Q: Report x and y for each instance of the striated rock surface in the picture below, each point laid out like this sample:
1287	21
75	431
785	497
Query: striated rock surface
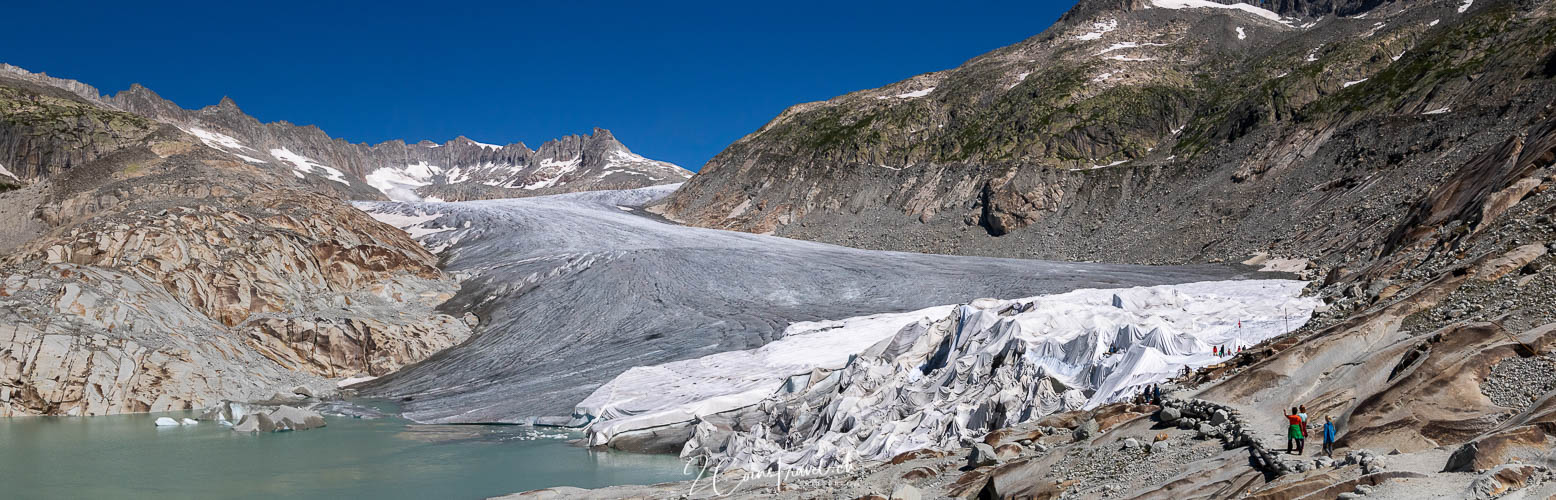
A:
146	270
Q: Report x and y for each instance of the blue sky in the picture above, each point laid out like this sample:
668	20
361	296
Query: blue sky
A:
674	81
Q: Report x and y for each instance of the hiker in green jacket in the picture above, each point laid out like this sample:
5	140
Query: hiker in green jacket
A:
1294	431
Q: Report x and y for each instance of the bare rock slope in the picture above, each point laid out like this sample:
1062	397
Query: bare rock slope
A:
1152	131
146	270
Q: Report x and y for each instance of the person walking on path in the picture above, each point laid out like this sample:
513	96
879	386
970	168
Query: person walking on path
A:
1293	431
1328	436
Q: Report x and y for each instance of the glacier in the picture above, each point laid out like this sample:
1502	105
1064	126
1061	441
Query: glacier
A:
870	388
572	291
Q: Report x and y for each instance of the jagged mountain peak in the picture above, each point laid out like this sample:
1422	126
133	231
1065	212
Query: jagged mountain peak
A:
468	170
226	104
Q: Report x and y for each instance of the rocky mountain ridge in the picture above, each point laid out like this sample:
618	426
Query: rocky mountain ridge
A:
459	169
1151	132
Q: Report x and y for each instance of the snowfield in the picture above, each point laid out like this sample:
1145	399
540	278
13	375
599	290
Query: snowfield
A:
572	291
399	184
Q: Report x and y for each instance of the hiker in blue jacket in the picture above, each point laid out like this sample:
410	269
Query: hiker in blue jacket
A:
1328	436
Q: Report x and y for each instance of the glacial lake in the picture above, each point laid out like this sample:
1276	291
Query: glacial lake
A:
126	456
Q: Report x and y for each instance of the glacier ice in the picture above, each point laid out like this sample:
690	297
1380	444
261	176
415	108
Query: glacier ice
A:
870	388
571	291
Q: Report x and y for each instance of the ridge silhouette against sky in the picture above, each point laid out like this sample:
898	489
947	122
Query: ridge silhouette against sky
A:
675	81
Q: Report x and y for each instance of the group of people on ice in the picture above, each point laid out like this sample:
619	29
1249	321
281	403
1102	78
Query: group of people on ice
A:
1297	431
1222	351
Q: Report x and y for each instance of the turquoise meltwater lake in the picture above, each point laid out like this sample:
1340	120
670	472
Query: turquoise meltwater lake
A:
126	456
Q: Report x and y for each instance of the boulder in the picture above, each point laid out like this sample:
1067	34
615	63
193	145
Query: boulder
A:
299	418
1131	443
1218	418
255	422
1502	479
1007	451
303	390
1158	447
1168	415
1087	430
1524	443
982	455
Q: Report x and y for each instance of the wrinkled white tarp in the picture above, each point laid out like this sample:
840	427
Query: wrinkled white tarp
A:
891	383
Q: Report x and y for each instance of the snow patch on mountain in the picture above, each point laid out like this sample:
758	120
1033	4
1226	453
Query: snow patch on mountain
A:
1097	166
553	170
1099	28
7	173
1207	4
1465	6
1128	45
224	143
1241	35
302	164
1373	30
399	184
1309	25
418	224
1353	82
910	95
217	140
626	162
247	158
